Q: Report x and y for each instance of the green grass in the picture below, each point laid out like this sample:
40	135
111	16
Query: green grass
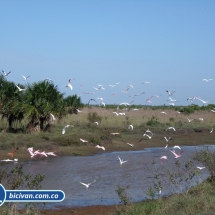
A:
193	133
199	200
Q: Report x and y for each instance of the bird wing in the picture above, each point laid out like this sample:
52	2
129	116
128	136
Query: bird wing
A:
174	153
84	184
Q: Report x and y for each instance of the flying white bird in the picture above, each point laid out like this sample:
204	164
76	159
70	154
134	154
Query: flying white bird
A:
96	123
102	103
171	128
25	77
121	161
48	79
173	104
20	88
114	133
87	185
177	147
163	112
64	129
130	144
84	141
167	139
7	160
148	131
52	116
150	137
135	109
211	130
204	102
207	80
100	147
169	93
189	120
51	153
121	114
116	113
199	167
5	73
69	84
172	100
131	127
112	85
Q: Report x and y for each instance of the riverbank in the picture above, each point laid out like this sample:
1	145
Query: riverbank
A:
187	134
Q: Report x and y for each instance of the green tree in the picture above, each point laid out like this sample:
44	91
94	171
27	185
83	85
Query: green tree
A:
41	99
10	98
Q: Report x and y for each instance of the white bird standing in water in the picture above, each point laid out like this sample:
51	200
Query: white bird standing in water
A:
87	185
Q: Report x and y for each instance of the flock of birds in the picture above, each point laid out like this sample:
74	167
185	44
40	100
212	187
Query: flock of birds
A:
149	134
101	87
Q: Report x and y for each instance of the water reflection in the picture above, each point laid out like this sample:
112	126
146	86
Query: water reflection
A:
65	173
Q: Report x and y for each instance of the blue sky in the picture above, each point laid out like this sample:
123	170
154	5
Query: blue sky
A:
168	43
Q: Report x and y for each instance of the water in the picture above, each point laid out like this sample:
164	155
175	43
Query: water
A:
66	173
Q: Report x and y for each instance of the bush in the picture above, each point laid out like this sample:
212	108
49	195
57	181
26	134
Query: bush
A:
94	117
13	179
153	121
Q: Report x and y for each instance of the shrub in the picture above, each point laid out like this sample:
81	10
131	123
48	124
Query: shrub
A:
153	121
94	117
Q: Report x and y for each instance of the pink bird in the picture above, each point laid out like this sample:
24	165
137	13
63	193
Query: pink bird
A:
163	157
149	99
100	147
30	150
177	155
41	153
51	153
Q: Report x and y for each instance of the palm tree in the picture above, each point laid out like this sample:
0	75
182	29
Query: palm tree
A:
72	103
41	99
10	98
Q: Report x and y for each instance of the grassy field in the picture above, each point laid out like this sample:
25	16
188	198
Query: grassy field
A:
82	125
187	133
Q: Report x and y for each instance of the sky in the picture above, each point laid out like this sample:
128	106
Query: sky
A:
167	43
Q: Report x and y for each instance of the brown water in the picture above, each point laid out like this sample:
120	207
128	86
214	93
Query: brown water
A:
66	173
